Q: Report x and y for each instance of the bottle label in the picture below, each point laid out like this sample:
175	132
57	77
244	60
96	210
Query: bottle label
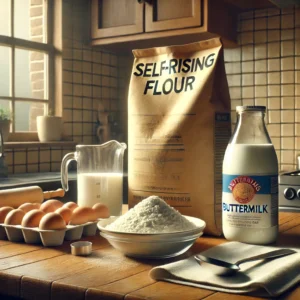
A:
250	201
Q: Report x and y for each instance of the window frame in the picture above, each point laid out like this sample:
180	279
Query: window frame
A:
53	47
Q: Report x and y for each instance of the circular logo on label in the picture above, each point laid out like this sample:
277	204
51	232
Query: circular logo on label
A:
243	192
244	188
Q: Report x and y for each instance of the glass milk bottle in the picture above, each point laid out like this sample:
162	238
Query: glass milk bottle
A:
250	181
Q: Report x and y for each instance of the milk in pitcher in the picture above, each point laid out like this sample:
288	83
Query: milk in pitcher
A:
106	188
250	181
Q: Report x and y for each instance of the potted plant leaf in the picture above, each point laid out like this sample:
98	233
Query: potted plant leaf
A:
5	121
49	127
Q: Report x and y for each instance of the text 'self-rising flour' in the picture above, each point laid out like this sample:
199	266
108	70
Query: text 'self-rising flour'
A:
179	127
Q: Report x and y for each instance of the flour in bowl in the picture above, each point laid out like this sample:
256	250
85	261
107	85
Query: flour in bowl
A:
152	215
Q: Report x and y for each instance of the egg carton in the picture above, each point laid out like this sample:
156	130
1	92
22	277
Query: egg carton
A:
18	233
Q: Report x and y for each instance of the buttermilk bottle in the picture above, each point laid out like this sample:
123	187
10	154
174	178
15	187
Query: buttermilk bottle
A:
250	181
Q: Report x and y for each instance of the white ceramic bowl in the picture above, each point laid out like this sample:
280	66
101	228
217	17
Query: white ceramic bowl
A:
152	245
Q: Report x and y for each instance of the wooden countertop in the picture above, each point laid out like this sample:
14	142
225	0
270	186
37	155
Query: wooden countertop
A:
35	272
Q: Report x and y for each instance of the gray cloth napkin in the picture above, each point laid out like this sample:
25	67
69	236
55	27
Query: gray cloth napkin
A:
268	277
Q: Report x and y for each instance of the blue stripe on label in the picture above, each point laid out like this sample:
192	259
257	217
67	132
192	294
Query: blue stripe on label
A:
261	184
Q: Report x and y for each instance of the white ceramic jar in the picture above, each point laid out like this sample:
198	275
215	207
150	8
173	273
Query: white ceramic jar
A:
49	128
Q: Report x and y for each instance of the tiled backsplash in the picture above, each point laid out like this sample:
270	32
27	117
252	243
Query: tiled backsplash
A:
90	80
90	83
265	70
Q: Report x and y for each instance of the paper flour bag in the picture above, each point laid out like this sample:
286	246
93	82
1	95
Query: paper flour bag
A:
179	127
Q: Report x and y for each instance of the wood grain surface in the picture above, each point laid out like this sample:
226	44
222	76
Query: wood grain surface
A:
36	272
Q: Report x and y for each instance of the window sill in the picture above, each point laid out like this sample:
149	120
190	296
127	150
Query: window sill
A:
22	145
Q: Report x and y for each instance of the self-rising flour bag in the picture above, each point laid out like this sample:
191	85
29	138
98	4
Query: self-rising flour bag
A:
179	127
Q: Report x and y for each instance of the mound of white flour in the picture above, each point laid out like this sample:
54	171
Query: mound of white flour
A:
152	215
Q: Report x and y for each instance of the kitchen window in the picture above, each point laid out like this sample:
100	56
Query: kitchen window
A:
26	63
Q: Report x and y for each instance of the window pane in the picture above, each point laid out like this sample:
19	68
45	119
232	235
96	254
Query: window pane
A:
26	113
29	20
5	71
31	74
5	17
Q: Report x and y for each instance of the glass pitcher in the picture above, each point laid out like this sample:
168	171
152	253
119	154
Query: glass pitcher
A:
99	174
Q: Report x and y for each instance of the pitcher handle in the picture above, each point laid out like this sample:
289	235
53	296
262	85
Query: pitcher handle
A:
64	169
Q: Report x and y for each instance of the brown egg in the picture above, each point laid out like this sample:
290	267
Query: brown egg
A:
33	218
65	212
70	205
26	207
82	215
51	205
101	210
52	221
14	217
3	212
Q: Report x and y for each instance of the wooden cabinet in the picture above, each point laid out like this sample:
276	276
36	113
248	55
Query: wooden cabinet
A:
116	17
126	24
166	15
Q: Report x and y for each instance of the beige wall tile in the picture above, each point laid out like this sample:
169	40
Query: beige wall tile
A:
287	77
246	38
248	102
287	130
274	116
273	35
274	22
56	155
247	25
287	48
276	142
9	157
260	78
288	90
274	90
260	23
287	21
32	157
274	50
273	64
87	79
44	156
273	78
288	116
77	115
248	92
261	101
297	143
45	167
261	91
297	102
247	52
287	34
260	51
274	130
77	128
287	157
20	157
260	65
297	90
32	168
19	169
287	63
247	79
260	36
288	102
287	143
274	103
